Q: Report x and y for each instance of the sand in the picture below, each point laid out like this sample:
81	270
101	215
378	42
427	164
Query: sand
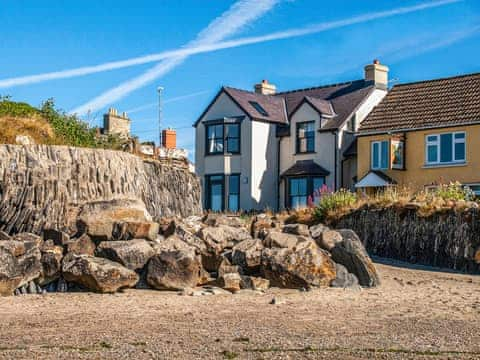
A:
414	314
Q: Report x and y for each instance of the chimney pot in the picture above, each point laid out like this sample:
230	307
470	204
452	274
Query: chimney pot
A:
378	74
265	88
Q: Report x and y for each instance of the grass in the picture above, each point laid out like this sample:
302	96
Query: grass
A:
50	126
229	354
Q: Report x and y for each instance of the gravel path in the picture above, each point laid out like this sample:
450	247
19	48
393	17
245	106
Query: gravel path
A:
414	314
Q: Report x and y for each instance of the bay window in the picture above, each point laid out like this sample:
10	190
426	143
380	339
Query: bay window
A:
447	148
301	188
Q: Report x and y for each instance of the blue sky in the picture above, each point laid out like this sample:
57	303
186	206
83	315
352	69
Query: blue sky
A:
39	38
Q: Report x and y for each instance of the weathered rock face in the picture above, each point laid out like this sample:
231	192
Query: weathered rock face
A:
45	187
248	255
448	239
97	274
305	266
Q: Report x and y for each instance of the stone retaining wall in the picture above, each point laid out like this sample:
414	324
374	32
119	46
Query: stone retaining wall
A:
45	186
447	239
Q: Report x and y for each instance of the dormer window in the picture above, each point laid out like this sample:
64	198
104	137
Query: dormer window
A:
306	137
259	108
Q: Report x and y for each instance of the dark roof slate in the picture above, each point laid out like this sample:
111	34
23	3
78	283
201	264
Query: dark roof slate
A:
306	167
336	101
427	104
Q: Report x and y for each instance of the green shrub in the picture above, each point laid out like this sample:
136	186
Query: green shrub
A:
453	191
334	202
16	109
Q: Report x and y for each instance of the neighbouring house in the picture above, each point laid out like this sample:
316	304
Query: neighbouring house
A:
423	134
267	149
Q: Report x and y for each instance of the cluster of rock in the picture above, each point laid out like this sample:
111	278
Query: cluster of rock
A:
119	248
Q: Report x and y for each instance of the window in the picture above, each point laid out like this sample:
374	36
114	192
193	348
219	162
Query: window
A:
223	138
398	147
380	155
234	192
298	193
232	137
214	192
445	148
259	108
306	137
300	189
474	188
215	139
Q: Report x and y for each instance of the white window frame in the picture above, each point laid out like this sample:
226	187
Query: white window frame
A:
379	142
437	143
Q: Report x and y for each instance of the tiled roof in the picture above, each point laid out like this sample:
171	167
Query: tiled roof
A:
426	104
344	97
336	101
306	167
274	106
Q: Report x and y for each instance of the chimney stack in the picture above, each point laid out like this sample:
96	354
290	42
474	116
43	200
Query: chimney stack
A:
265	88
169	138
377	73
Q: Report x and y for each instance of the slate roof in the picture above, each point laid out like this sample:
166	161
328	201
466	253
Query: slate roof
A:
306	167
427	104
337	102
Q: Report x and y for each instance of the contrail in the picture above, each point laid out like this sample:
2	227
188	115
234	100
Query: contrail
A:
240	14
167	101
109	66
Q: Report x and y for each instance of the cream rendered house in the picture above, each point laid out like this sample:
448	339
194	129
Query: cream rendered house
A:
263	149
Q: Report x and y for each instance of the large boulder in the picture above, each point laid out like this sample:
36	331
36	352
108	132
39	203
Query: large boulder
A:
248	255
81	246
282	240
127	230
20	262
59	238
347	249
52	256
230	282
344	279
302	267
97	274
218	239
316	231
213	219
133	254
97	219
173	270
296	229
263	224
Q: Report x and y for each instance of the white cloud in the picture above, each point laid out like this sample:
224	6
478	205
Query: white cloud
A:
241	14
191	50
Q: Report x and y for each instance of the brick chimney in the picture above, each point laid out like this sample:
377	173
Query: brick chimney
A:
265	88
169	138
377	73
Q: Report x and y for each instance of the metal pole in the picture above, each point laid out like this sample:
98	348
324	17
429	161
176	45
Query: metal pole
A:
160	89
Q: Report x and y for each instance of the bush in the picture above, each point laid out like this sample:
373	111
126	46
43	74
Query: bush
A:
454	191
331	203
16	109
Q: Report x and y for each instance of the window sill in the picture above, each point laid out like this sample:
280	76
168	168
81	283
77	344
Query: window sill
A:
223	154
443	165
305	153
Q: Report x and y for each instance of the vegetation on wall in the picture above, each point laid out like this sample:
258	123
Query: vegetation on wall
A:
49	125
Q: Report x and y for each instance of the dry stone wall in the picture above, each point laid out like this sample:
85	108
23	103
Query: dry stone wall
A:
448	239
46	186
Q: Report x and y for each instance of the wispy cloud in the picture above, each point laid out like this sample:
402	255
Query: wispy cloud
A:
240	15
197	49
167	101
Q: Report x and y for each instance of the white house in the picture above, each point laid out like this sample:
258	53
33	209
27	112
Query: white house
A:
262	149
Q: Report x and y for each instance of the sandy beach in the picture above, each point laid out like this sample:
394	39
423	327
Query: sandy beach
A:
414	314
